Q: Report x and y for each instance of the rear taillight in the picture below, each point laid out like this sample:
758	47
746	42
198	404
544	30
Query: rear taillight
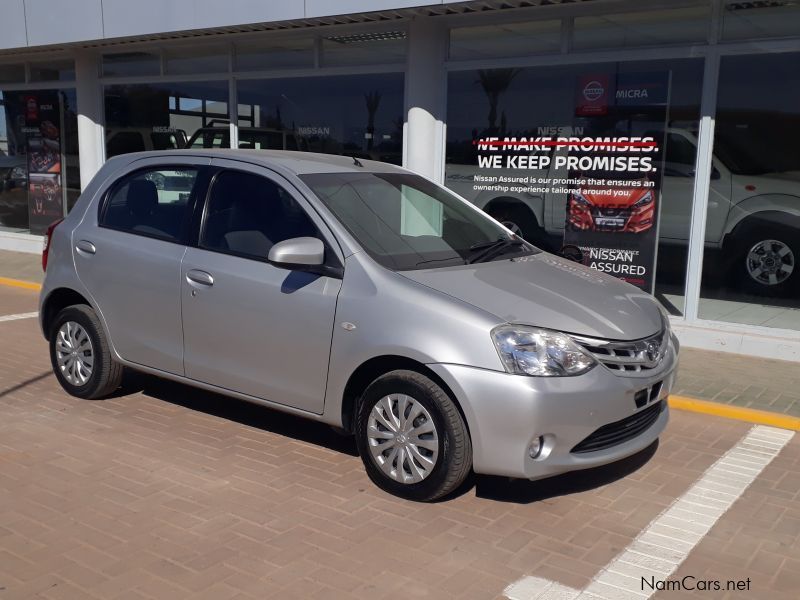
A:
46	245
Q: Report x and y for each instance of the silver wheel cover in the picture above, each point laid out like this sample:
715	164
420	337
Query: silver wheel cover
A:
402	438
74	353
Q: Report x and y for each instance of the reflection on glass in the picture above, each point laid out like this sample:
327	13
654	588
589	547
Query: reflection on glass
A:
131	64
12	73
743	20
161	116
369	48
54	70
39	167
356	115
562	101
650	28
751	273
186	61
277	54
509	39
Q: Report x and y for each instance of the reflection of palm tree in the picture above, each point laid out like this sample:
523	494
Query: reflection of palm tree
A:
372	100
494	82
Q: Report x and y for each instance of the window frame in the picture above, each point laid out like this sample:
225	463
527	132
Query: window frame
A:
331	267
200	183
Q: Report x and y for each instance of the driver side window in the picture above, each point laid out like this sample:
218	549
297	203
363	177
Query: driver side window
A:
248	214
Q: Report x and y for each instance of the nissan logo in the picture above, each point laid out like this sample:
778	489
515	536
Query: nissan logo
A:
593	90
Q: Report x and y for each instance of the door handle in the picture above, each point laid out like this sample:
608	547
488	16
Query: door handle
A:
200	277
85	247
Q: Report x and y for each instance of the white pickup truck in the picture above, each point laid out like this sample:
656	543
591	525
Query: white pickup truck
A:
753	219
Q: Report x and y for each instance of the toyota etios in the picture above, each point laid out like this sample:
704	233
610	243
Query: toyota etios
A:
358	294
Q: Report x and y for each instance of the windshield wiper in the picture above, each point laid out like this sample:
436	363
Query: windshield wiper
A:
486	250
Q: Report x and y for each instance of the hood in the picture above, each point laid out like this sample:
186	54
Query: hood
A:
548	291
616	197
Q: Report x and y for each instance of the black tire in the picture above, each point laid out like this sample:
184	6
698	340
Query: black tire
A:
106	374
454	461
742	266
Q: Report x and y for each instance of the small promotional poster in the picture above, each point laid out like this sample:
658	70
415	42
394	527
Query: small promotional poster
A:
602	172
42	115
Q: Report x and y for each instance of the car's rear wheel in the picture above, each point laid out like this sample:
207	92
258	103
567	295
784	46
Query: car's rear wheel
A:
81	356
411	437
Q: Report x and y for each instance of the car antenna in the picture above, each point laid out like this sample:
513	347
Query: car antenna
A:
357	162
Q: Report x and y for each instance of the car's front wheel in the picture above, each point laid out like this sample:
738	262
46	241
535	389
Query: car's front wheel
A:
81	356
412	437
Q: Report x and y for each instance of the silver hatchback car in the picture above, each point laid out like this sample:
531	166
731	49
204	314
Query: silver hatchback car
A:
361	295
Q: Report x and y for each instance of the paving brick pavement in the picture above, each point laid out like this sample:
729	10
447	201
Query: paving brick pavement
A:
765	384
21	265
164	491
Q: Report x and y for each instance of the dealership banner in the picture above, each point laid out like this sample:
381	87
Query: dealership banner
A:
615	171
602	171
42	118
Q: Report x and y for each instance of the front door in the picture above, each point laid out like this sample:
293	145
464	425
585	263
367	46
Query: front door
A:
250	326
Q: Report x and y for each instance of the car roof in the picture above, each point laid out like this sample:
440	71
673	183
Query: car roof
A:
295	162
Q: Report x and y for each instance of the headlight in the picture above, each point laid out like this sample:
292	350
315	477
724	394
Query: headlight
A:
578	197
539	352
644	200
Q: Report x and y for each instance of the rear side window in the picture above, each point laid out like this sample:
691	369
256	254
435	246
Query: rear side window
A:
152	202
247	214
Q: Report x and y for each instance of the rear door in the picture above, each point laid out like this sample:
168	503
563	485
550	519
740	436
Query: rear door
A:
250	326
128	256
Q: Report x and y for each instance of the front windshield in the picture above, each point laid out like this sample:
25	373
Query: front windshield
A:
405	222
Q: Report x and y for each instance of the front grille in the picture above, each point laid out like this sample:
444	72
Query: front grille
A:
611	212
627	357
620	431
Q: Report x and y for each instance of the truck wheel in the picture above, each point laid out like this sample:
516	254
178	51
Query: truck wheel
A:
412	438
80	354
767	261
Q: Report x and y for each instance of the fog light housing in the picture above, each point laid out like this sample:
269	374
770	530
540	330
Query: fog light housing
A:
535	449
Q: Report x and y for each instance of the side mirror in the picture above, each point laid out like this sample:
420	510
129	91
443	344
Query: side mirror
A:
298	252
572	253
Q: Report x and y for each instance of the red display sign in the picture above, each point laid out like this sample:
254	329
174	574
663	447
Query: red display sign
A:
592	95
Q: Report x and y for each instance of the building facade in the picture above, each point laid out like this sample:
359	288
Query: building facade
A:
486	97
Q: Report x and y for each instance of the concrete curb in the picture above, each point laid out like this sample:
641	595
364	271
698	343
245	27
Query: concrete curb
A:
18	283
750	415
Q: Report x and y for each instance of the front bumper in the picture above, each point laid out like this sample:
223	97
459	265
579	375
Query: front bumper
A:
507	413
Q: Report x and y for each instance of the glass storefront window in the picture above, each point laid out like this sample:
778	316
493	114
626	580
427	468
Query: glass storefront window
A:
291	53
751	273
131	64
745	20
356	115
160	116
509	39
647	28
12	73
368	48
39	167
53	70
509	151
188	61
